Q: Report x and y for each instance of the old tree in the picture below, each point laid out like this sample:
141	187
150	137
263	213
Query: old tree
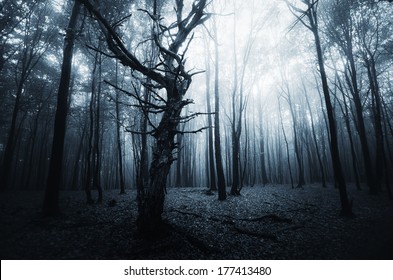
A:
170	74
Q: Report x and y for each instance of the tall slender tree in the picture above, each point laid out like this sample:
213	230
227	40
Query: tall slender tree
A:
51	199
210	158
119	141
340	28
28	57
221	184
308	16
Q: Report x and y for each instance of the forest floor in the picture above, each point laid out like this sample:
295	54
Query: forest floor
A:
271	222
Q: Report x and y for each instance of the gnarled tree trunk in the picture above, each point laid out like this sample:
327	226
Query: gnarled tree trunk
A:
152	202
170	75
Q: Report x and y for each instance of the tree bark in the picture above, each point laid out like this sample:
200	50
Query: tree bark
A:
51	199
297	146
378	130
119	147
265	179
152	203
98	136
212	170
346	207
286	147
142	176
11	140
345	112
323	177
221	185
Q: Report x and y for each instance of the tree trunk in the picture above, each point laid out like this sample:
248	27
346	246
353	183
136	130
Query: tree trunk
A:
119	146
378	130
298	149
51	199
346	207
217	138
98	136
345	112
179	160
33	137
235	163
286	146
323	178
91	154
212	170
152	202
142	176
265	179
11	140
176	81
389	152
360	121
76	178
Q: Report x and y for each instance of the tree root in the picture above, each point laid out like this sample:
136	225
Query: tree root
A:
264	235
273	217
232	221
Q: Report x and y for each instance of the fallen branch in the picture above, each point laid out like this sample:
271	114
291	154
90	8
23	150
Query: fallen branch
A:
289	228
229	219
232	221
187	213
274	217
264	235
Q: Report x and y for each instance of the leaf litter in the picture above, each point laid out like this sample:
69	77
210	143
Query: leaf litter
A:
264	222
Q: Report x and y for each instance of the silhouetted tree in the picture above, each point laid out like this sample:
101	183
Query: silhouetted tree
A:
51	199
221	185
308	16
171	75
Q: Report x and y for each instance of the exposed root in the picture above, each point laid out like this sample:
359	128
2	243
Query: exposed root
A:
264	235
228	220
273	217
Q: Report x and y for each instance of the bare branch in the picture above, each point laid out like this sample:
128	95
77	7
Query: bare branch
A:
300	18
197	72
153	17
139	132
193	131
100	51
116	45
141	101
119	22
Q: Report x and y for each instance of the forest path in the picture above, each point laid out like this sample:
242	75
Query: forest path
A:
271	222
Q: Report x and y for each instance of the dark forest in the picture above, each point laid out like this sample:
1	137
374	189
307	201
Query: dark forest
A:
196	129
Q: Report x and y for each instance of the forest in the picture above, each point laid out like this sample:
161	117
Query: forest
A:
196	129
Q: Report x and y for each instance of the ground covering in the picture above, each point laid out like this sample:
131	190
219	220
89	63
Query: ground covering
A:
265	222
